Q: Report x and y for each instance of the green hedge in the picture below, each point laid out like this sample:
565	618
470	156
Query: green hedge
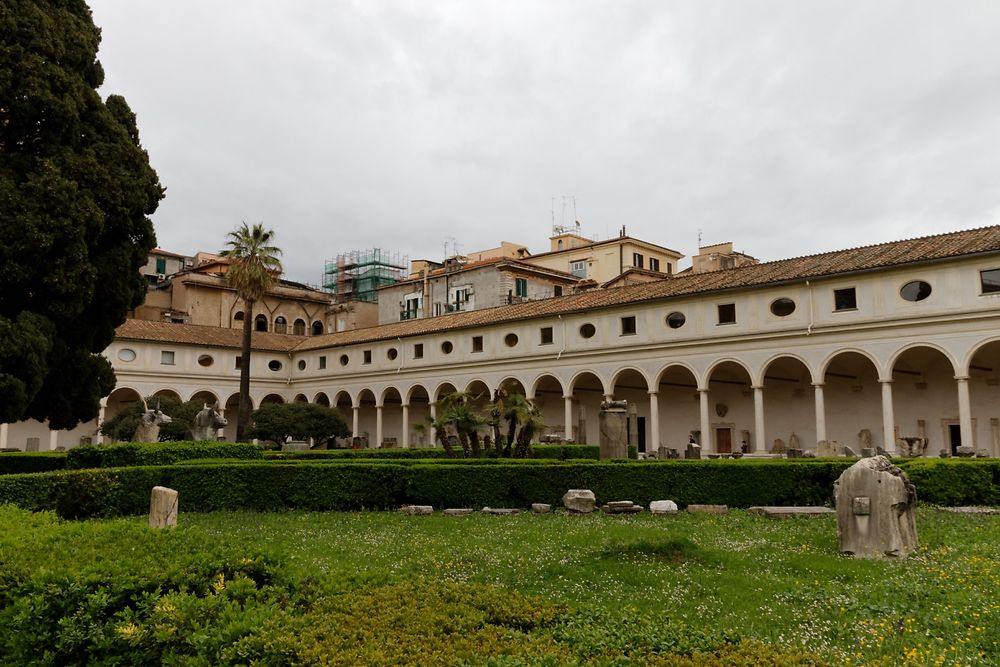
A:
14	463
568	452
558	452
270	486
157	453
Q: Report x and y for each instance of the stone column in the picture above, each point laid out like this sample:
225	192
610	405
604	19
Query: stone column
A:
355	409
432	432
3	435
964	410
568	417
220	433
760	437
99	438
654	422
405	440
53	440
995	435
378	426
888	420
820	413
706	437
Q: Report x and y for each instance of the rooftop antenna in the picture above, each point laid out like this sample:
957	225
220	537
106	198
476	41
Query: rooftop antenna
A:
699	239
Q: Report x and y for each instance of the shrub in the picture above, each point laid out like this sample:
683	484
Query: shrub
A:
153	453
13	463
123	425
298	421
955	481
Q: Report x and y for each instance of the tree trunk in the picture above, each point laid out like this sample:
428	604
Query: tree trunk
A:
474	441
243	418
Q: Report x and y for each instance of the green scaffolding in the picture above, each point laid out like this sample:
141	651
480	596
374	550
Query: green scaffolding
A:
358	275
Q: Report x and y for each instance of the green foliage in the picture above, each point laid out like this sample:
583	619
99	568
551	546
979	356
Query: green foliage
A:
151	453
298	421
77	190
955	481
13	463
357	454
122	426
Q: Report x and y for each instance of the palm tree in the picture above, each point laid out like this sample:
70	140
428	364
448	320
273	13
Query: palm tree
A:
254	268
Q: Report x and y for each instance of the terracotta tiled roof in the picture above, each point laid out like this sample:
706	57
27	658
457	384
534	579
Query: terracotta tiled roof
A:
867	258
658	275
195	334
515	263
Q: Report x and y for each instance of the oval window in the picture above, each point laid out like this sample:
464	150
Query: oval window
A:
782	307
676	320
510	340
343	360
447	347
126	354
915	290
205	360
302	364
587	330
392	353
274	365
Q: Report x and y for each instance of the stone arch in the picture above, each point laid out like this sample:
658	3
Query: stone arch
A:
260	322
548	394
925	398
299	327
442	389
724	362
626	371
852	398
367	403
300	398
166	392
584	375
632	385
478	387
825	364
673	368
982	367
976	349
391	400
342	399
813	376
321	399
544	382
231	411
280	324
678	404
587	390
119	399
272	399
418	399
317	328
789	401
730	407
206	396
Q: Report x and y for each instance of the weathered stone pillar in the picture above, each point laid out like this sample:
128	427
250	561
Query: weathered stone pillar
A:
875	510
614	438
162	508
405	439
654	422
568	417
3	435
355	409
995	435
706	437
633	424
432	432
964	410
888	420
760	441
378	426
820	413
53	440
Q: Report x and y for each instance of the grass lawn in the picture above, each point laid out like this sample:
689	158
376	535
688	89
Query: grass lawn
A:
383	588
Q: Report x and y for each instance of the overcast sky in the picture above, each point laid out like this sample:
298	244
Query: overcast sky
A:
786	127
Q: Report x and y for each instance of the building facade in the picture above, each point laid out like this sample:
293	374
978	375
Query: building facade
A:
857	346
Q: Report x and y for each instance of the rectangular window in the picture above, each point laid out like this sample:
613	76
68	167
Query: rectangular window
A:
557	290
437	310
161	264
578	269
727	313
654	264
637	260
845	299
167	357
521	287
990	280
322	362
546	335
367	356
628	325
670	268
418	350
477	343
239	362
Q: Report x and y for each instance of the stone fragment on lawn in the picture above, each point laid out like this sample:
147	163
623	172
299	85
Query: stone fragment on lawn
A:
970	510
295	446
663	507
417	510
457	511
708	509
965	451
875	510
501	511
776	512
581	501
621	507
162	508
541	508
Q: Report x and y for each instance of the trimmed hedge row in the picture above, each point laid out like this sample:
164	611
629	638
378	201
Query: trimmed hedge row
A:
157	453
15	463
357	485
557	452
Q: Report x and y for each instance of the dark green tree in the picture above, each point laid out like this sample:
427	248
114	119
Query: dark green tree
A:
255	266
298	421
122	426
76	193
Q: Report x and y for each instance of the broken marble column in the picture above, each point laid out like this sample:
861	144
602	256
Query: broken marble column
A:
875	510
580	501
614	433
162	508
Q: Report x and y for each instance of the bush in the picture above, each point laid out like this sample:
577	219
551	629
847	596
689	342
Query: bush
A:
13	463
345	454
297	421
954	482
156	453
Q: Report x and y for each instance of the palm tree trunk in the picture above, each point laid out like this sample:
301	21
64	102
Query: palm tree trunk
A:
244	415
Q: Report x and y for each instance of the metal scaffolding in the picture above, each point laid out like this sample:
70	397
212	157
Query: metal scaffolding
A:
358	275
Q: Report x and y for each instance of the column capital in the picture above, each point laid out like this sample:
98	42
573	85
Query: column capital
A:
881	381
404	405
378	406
567	398
703	390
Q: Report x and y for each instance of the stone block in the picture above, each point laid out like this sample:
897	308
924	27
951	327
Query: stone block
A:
613	420
581	501
417	510
457	511
847	451
708	509
965	451
663	507
629	509
982	453
294	446
875	510
540	508
693	451
790	512
501	511
163	507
